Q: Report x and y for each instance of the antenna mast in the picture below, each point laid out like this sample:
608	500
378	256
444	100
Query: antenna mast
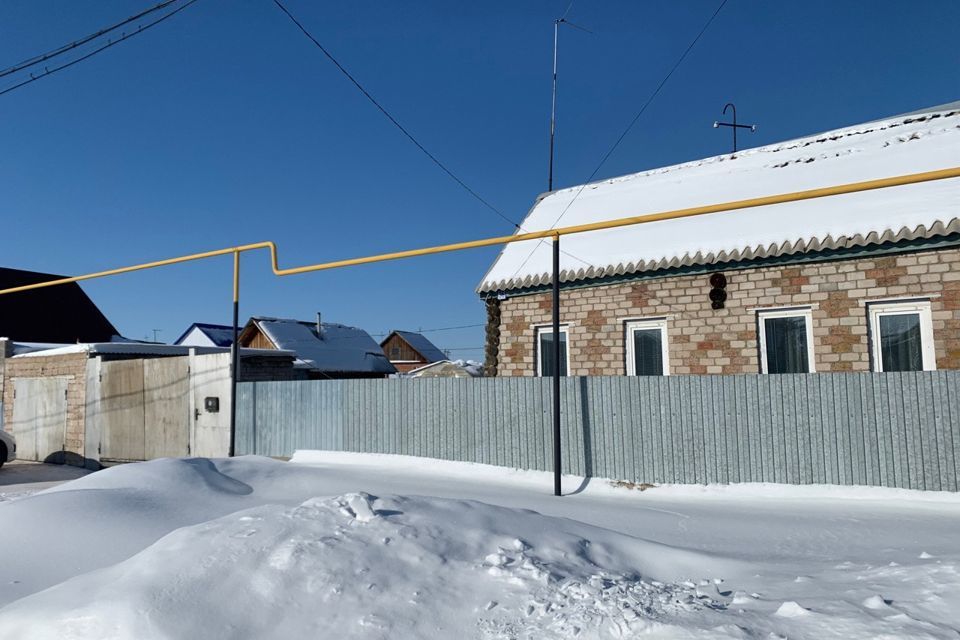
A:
553	99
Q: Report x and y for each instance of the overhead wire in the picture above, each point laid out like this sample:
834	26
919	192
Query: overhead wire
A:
396	123
53	53
464	326
623	135
122	38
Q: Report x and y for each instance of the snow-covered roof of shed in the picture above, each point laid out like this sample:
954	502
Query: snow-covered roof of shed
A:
924	141
341	349
219	334
132	348
422	345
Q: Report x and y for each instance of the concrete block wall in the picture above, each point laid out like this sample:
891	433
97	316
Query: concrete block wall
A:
703	340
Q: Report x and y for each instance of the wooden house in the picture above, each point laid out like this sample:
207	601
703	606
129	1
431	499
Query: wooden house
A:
408	350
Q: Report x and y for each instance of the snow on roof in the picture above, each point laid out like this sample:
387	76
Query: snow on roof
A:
28	350
468	368
219	334
422	345
924	141
341	349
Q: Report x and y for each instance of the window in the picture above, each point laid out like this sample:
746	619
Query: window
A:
545	363
901	334
786	341
394	353
646	342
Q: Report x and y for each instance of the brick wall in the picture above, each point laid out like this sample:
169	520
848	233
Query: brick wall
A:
72	366
703	340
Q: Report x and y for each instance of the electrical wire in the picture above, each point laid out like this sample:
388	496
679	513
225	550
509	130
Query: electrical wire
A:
109	44
390	117
623	135
53	53
401	128
464	326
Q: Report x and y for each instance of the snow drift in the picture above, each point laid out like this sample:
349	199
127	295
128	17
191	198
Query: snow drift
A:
355	566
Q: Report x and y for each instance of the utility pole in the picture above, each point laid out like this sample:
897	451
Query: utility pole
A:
733	125
156	332
553	99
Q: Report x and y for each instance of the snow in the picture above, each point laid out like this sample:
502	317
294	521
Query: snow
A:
339	349
335	545
878	150
139	348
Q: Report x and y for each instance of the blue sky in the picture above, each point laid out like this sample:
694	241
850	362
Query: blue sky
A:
224	125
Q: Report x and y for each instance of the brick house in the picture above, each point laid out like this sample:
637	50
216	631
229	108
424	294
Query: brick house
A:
860	282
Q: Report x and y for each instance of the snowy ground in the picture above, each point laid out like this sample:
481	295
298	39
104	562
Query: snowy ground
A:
359	546
19	478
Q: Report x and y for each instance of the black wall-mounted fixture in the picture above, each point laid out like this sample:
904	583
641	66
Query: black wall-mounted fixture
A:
718	290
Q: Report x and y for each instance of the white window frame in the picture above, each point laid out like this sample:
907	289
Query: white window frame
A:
548	328
646	324
791	312
911	307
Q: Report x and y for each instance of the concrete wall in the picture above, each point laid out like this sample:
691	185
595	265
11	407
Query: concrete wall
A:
705	340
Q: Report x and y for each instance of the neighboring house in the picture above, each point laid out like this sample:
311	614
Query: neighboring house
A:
408	350
447	369
858	282
327	350
61	314
200	334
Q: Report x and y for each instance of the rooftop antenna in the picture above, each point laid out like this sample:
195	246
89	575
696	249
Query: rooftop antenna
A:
553	101
733	125
156	332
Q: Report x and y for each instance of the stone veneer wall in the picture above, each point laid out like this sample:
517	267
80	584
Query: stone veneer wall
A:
707	341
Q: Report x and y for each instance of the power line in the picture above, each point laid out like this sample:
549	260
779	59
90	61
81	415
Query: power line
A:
627	130
403	129
53	53
109	44
464	326
390	117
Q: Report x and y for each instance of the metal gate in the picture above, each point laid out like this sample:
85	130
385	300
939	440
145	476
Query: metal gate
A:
144	409
40	418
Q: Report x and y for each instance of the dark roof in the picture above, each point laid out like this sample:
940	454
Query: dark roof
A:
420	344
61	314
341	349
220	334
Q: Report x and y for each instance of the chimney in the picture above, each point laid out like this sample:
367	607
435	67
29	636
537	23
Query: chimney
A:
319	326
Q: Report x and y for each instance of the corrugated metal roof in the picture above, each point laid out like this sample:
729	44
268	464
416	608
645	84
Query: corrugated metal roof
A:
341	349
221	335
924	141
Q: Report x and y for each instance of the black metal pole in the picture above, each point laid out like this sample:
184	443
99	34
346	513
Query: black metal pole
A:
234	354
556	366
553	103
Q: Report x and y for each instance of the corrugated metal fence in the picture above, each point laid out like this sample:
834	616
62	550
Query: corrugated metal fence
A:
884	429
